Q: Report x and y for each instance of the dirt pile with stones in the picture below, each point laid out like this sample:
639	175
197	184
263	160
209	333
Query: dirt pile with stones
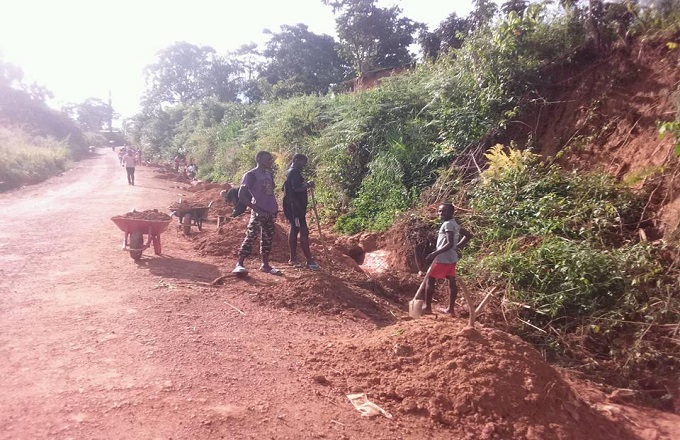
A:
340	287
480	383
203	194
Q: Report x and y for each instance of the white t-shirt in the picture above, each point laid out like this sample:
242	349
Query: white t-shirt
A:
129	160
450	256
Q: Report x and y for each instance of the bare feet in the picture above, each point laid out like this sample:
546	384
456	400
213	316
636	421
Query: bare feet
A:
427	310
448	311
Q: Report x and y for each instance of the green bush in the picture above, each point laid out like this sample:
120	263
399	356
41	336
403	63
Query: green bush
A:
28	159
564	278
381	197
529	197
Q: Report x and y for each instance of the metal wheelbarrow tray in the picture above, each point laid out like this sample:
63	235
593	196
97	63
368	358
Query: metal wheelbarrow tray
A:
190	214
135	229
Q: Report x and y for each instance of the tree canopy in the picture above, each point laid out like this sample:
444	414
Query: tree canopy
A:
93	114
302	62
185	73
372	37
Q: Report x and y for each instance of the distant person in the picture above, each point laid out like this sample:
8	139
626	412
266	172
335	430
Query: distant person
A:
451	237
121	153
179	162
113	146
129	161
230	196
192	169
257	192
295	209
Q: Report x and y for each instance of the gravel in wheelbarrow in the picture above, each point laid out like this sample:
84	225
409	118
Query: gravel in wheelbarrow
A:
150	214
144	222
186	205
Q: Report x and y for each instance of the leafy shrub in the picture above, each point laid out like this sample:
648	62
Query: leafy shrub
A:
381	197
28	159
563	278
522	196
565	246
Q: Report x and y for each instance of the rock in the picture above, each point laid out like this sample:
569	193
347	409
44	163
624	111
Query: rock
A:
320	379
434	355
403	350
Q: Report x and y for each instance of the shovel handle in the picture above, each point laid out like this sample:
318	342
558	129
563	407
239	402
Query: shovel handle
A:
318	223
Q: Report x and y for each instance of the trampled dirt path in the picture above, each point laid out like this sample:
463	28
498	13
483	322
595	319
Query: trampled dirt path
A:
96	346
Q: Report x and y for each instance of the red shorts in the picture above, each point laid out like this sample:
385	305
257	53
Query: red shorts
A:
442	270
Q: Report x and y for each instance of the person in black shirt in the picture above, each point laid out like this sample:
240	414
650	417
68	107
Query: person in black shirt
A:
295	209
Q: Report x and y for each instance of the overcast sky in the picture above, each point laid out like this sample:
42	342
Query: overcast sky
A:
83	48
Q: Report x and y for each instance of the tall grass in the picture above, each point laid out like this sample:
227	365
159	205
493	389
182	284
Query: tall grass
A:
26	159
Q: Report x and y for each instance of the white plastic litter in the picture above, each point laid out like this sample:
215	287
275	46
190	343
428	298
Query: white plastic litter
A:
366	407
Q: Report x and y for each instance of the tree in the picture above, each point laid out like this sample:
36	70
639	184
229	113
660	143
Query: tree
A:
483	14
302	62
453	31
223	79
186	73
430	44
450	34
93	114
518	6
372	37
250	62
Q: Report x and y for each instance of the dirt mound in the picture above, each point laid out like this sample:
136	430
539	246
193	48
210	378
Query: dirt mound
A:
481	383
204	186
227	240
151	214
204	193
340	287
411	238
167	172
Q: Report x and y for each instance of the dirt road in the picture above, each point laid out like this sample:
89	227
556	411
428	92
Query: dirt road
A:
96	346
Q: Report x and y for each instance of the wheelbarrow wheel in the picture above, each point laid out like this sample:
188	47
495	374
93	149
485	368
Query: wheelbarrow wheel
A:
199	223
136	243
186	224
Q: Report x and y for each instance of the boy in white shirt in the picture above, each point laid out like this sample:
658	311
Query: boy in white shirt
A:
451	237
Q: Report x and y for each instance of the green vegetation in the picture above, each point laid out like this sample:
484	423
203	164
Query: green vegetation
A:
36	142
25	160
565	246
386	143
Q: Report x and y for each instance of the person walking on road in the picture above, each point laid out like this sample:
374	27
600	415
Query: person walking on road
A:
451	237
257	192
129	161
295	209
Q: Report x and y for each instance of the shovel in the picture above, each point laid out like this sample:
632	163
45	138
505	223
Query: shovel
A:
415	306
318	224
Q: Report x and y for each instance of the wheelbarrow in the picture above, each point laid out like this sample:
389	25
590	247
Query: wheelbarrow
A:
189	215
134	234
